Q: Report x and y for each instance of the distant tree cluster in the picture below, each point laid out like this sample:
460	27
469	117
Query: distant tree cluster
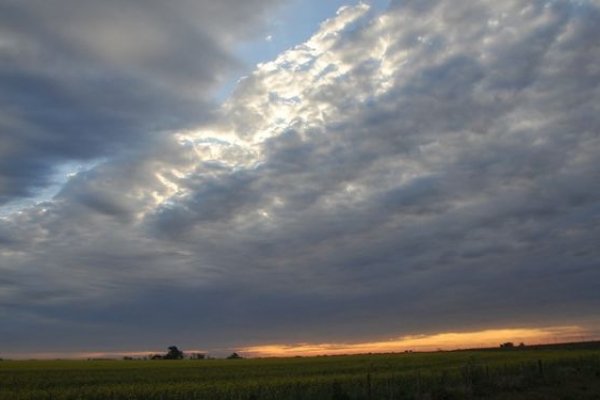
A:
511	345
234	356
175	353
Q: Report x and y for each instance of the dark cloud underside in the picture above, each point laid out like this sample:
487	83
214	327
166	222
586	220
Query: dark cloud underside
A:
430	169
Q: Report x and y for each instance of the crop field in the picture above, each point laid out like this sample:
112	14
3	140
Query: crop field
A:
555	373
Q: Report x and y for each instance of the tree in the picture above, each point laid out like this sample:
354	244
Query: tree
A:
174	354
234	356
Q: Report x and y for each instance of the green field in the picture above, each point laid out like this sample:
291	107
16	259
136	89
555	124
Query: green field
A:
547	373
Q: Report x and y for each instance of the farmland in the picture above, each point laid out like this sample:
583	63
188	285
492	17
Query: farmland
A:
538	373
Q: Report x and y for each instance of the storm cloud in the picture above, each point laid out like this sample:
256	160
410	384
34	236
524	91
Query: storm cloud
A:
429	169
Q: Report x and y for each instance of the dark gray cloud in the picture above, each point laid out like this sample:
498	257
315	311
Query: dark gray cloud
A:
82	80
433	169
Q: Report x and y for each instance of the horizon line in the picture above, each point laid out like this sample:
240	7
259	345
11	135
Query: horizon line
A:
447	341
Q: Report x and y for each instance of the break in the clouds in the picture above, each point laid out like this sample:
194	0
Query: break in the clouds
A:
429	169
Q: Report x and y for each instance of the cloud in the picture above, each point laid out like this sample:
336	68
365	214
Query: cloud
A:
84	80
430	169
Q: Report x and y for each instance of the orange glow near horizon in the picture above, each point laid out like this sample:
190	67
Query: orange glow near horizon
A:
440	341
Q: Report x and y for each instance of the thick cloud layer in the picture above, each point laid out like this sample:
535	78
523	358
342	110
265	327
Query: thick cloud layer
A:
430	169
82	80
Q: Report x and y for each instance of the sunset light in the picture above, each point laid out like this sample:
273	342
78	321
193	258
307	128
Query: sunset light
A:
440	341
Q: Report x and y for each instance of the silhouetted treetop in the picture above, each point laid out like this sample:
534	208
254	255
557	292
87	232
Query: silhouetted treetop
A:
174	354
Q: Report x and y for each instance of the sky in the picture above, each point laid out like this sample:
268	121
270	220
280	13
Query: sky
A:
297	177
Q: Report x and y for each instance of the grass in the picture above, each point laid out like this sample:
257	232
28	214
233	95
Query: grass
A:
543	373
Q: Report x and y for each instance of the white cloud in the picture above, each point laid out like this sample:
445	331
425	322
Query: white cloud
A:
92	80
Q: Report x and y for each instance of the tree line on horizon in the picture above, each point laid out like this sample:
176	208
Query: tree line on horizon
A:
174	353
